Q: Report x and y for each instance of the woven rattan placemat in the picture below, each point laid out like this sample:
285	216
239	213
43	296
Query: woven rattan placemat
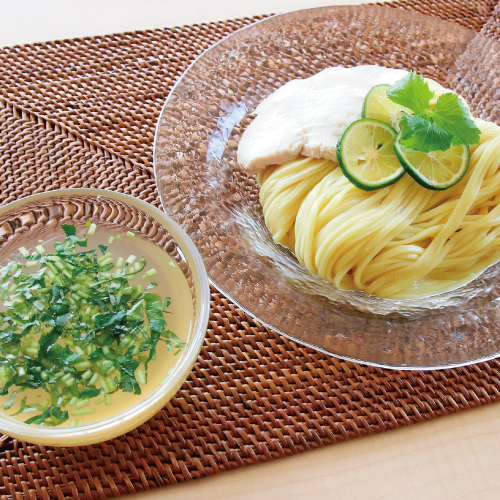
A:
82	113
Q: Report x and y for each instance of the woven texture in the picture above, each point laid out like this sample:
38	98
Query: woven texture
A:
82	113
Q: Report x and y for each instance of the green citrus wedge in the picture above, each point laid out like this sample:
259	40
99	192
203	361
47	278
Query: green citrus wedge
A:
377	105
365	152
435	170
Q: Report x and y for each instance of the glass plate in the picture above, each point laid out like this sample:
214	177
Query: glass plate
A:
203	189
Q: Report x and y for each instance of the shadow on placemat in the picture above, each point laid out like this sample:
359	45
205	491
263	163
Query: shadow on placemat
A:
82	113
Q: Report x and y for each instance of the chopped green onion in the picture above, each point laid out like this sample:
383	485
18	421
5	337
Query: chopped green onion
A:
104	257
109	383
82	403
53	269
83	411
84	365
119	262
99	401
80	421
108	399
141	378
40	249
104	385
59	266
111	239
171	264
92	229
23	251
130	234
73	401
32	263
123	344
130	259
107	261
70	381
148	274
79	351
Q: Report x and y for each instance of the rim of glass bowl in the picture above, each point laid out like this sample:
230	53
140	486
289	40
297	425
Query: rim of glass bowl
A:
192	351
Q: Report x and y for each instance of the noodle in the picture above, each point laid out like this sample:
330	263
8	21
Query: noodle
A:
402	241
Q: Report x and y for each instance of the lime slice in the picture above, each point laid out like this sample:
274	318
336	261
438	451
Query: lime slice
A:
377	105
365	152
435	170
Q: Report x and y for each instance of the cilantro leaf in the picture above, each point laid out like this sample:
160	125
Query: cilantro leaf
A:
109	319
70	230
89	392
166	304
422	135
412	92
451	114
58	416
8	404
128	382
449	122
62	355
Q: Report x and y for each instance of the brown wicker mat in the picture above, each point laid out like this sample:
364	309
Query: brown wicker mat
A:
83	113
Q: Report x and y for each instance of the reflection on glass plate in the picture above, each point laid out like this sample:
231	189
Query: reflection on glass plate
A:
203	188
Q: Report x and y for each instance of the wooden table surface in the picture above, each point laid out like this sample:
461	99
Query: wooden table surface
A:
452	457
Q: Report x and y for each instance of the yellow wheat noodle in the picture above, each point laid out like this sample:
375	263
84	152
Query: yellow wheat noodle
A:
402	241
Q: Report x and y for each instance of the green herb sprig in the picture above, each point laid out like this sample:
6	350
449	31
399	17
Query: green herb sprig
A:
448	123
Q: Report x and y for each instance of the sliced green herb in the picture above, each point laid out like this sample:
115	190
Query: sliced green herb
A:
74	330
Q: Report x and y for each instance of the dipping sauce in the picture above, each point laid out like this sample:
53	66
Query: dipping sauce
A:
88	331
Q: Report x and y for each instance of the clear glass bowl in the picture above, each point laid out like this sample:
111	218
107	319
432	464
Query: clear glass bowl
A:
203	188
37	216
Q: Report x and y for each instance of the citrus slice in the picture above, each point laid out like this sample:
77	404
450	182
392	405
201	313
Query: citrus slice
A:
377	105
435	170
365	152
